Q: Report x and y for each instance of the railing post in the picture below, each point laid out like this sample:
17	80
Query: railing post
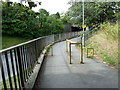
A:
20	67
13	68
66	46
2	71
53	38
70	52
36	52
8	70
16	63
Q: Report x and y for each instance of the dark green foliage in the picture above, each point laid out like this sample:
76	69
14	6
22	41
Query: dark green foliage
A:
20	20
32	4
95	12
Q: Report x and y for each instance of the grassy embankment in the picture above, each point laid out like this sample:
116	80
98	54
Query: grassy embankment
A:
8	41
105	44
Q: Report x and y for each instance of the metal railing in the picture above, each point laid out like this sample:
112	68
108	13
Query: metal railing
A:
69	43
17	62
90	32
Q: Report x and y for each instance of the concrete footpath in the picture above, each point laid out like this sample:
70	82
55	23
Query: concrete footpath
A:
56	72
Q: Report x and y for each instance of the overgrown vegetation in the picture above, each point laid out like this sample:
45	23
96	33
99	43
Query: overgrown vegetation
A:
105	43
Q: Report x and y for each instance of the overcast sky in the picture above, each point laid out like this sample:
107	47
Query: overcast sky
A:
52	6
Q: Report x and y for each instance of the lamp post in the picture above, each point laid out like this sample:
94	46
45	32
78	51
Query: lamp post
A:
83	39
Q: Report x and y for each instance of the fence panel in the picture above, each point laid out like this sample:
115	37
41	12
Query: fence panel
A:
17	62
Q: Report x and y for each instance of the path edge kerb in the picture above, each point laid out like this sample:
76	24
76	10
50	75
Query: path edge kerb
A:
30	83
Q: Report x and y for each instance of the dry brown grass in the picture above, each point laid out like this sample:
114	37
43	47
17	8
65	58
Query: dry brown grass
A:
105	43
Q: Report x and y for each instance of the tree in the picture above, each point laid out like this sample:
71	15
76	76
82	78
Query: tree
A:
95	12
17	20
32	4
20	20
42	16
55	25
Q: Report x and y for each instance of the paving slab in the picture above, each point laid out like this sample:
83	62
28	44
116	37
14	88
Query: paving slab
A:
56	72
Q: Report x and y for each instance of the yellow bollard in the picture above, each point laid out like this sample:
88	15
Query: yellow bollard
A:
92	52
66	46
81	55
70	52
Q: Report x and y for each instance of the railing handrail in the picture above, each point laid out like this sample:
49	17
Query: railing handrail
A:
24	56
21	44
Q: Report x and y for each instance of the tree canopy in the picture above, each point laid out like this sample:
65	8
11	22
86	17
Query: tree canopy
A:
95	12
21	20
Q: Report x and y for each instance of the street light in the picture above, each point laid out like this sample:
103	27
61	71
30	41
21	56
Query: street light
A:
83	39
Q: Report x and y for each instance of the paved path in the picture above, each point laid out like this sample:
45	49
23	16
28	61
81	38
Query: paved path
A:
56	71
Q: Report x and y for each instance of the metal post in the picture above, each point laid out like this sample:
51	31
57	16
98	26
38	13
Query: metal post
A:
2	71
70	52
66	45
16	65
81	55
83	41
13	69
8	70
36	52
51	50
20	67
53	40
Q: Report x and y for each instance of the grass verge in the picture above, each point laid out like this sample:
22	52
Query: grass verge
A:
7	83
105	44
8	41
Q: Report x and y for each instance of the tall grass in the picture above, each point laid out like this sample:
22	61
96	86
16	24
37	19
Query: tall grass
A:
105	43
